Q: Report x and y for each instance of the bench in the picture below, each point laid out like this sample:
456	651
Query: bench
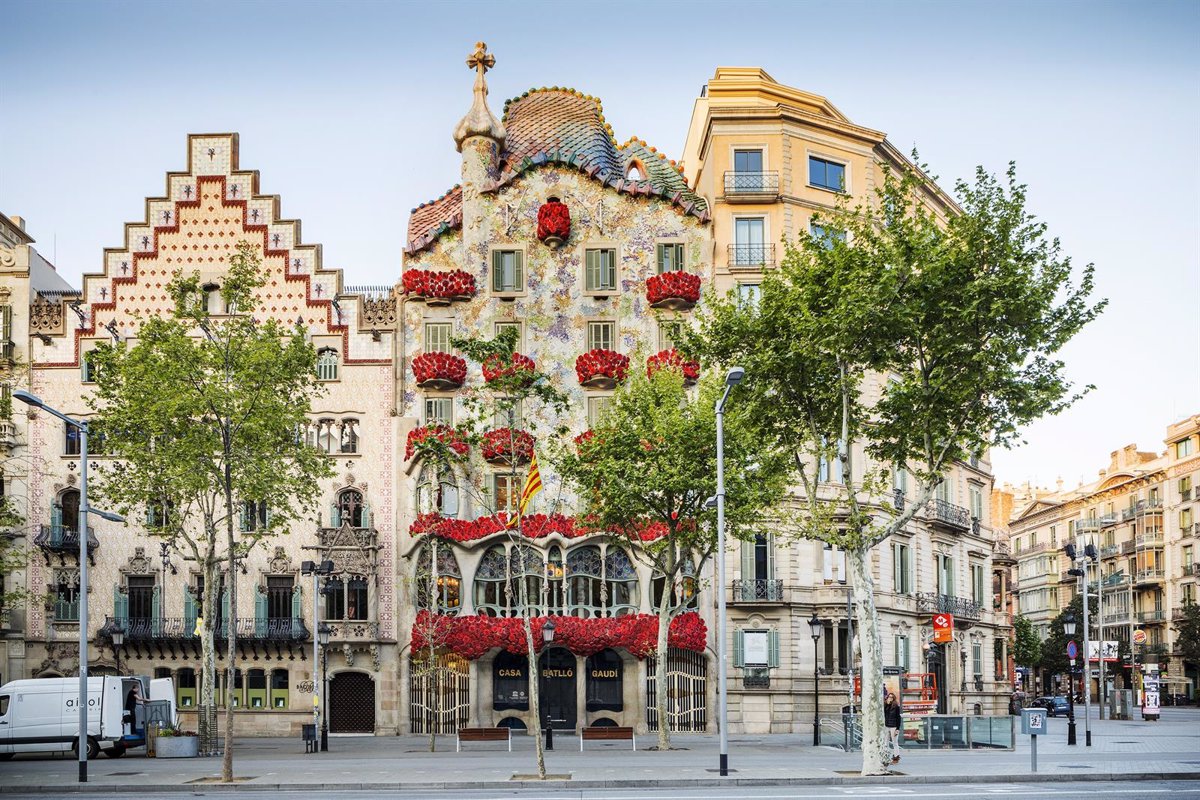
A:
606	734
483	735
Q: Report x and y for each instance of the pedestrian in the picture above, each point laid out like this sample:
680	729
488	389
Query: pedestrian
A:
891	721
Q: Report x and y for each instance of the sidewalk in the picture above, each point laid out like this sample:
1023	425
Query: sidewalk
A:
1121	751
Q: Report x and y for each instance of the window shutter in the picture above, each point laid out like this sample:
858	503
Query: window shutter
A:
243	519
335	516
7	323
773	643
266	513
225	607
120	605
55	518
771	557
297	599
593	273
260	612
739	657
518	272
156	610
189	612
659	255
366	515
497	272
748	562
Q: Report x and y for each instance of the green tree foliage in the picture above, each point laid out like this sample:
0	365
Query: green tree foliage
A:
1054	649
905	333
201	415
652	460
12	555
1187	634
1027	645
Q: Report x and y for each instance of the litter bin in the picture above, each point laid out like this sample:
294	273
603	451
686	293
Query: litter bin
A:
308	732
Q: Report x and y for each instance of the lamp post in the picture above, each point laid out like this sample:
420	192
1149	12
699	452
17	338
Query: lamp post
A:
323	632
118	639
962	657
547	638
1089	553
733	377
316	569
814	628
81	426
1069	630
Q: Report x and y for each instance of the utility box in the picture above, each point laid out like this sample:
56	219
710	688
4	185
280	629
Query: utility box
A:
1033	721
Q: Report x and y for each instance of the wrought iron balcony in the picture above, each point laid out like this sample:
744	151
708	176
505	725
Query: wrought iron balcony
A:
756	679
757	591
1195	569
1156	615
1087	525
961	607
64	541
948	514
1109	550
248	629
1185	495
752	255
751	183
1108	519
898	499
1127	547
1150	576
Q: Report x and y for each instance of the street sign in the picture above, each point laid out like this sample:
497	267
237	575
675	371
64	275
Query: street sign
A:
1139	637
943	628
1072	650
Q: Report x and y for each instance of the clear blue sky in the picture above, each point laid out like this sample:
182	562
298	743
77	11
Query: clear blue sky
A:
347	108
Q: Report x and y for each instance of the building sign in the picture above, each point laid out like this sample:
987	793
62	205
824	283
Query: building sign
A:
510	682
1150	688
943	628
1109	653
604	686
1139	637
756	648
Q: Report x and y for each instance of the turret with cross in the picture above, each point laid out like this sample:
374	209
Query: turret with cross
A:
480	121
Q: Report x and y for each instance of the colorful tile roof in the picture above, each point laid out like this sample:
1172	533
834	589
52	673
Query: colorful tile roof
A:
564	127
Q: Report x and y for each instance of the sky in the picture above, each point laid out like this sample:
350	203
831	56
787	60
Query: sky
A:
347	108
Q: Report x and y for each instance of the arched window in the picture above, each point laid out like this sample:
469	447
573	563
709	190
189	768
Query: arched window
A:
556	600
584	588
257	694
327	440
351	510
349	436
327	364
437	491
279	688
490	578
69	510
683	591
526	565
636	171
620	583
446	581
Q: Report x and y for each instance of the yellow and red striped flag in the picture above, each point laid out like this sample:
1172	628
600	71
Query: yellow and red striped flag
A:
533	483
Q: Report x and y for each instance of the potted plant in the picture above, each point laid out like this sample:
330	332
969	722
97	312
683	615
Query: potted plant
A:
601	369
677	290
553	223
175	743
438	287
440	371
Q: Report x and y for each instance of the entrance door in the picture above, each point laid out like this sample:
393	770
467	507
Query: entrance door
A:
351	703
556	688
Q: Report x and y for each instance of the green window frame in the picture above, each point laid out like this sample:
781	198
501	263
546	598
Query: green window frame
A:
601	335
600	272
508	271
438	336
669	257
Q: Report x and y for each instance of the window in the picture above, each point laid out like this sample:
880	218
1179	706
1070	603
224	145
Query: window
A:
902	576
944	490
346	599
510	413
508	272
1189	594
900	651
749	241
256	680
279	688
327	364
254	516
595	409
600	270
977	583
333	436
437	337
439	410
601	335
139	590
620	581
976	497
348	431
501	327
351	510
445	582
826	174
1183	447
506	490
826	235
668	333
70	440
87	369
747	161
279	598
829	470
1185	487
66	595
668	257
748	172
900	480
1185	519
749	295
977	659
945	574
491	577
185	687
437	491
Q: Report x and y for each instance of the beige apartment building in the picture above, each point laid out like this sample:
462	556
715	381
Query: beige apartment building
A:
1139	515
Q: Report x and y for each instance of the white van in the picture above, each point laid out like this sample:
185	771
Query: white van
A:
42	714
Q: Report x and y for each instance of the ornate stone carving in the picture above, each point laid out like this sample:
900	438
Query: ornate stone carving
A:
375	657
281	562
8	257
139	563
378	313
45	317
58	657
348	654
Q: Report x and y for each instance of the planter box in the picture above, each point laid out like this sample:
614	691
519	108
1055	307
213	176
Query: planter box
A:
177	747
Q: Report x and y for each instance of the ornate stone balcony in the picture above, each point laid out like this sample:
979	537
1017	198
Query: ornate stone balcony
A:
62	541
757	591
948	515
960	607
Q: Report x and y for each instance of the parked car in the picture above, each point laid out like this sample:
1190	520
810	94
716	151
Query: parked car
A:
1056	704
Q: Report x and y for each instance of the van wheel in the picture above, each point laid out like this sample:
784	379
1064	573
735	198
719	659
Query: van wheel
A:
93	748
116	751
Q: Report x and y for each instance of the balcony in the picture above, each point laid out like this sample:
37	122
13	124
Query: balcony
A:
1066	577
960	607
1109	519
1142	507
1001	555
1156	615
63	542
1185	495
948	515
1110	550
758	591
1189	530
1037	548
8	434
1150	576
751	256
159	634
1116	617
1089	525
1149	538
898	499
1192	570
1127	547
7	348
750	187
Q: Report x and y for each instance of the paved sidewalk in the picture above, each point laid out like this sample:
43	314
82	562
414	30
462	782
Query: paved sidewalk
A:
1121	751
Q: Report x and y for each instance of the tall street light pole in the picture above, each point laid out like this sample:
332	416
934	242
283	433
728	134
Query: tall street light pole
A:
814	628
732	378
1069	630
316	569
323	637
81	426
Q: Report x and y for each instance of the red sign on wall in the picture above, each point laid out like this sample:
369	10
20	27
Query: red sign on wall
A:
943	628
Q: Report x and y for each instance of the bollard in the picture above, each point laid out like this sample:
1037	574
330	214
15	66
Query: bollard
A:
1033	751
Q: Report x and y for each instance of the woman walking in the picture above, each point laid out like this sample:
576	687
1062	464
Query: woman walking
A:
891	720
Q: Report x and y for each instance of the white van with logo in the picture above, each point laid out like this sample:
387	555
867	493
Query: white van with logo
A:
41	715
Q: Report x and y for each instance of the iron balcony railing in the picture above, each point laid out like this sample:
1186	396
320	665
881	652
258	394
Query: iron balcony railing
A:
1141	507
1150	575
1156	615
752	255
898	499
1109	550
1185	495
1087	525
261	629
948	514
1108	519
758	591
960	607
751	182
61	539
7	347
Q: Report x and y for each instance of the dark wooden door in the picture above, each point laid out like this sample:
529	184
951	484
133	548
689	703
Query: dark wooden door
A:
351	703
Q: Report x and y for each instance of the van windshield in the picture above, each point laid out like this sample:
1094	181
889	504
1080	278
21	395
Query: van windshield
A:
3	705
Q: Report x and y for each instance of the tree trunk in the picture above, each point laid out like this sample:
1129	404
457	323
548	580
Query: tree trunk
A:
535	704
876	755
660	666
231	659
207	707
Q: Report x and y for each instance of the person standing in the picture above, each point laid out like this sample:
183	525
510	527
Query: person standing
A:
891	721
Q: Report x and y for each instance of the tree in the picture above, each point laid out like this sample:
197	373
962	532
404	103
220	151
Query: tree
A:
644	474
900	337
430	627
1054	659
1027	646
202	415
1187	634
12	556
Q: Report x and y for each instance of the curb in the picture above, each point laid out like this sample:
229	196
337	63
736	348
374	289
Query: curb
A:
838	780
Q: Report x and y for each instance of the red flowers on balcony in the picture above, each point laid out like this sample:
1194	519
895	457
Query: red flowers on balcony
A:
507	446
438	287
439	371
670	359
442	433
496	367
554	223
601	369
677	291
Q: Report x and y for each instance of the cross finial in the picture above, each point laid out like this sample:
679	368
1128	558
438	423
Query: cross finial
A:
481	60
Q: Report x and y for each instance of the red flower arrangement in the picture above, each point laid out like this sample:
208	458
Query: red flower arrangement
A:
583	438
676	290
533	526
495	367
602	369
554	222
670	359
443	433
473	636
428	284
439	370
505	445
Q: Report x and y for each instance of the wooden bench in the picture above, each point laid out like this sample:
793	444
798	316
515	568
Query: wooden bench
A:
483	735
606	734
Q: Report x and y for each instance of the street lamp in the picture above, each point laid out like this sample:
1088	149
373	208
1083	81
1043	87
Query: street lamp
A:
118	638
962	657
814	628
547	638
733	377
323	632
1069	630
316	569
82	426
